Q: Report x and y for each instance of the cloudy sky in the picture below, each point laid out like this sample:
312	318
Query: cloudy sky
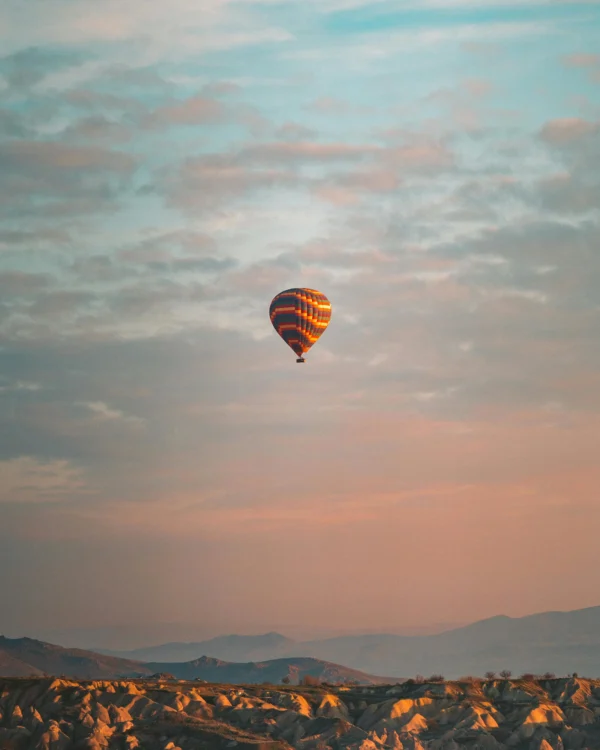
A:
166	168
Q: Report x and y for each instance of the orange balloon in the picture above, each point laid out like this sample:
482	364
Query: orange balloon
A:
300	316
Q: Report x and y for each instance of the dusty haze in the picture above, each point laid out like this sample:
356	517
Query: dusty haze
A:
163	460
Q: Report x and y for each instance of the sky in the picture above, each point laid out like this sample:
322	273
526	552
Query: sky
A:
166	169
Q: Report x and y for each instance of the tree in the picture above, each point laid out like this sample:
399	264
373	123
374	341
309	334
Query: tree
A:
419	679
436	678
528	676
490	675
506	674
549	676
285	680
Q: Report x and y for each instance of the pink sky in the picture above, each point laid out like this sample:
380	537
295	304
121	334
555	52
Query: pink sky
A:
166	171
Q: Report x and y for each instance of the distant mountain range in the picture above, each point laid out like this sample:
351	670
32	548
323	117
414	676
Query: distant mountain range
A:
241	648
24	657
561	642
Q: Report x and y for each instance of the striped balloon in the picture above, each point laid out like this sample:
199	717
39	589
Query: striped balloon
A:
300	316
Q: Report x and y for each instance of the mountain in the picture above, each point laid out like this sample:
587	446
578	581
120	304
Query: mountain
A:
11	666
543	714
216	670
230	647
561	642
21	657
25	657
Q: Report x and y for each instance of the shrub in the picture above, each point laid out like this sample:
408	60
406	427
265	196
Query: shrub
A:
285	680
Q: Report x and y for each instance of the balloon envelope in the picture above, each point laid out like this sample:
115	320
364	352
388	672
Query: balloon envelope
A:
300	316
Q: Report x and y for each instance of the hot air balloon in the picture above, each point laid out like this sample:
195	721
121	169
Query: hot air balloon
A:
300	316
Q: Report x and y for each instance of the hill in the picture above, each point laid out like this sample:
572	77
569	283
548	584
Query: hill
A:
561	642
26	656
11	666
273	670
235	648
543	714
21	657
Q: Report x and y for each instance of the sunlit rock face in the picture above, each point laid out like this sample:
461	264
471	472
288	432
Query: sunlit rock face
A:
162	714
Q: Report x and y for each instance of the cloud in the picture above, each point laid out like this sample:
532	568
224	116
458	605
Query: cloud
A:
93	100
20	385
567	129
206	182
27	66
196	110
478	87
161	246
292	131
103	411
12	125
36	157
26	237
18	284
329	105
26	479
566	194
582	60
158	195
345	189
283	152
56	303
97	128
64	178
147	30
575	188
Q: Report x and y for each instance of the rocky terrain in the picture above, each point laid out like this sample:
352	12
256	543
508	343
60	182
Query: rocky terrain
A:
26	657
542	714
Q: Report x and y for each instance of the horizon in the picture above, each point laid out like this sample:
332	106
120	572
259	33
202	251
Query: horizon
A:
166	170
77	639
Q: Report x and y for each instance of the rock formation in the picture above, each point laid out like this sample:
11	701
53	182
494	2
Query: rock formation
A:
159	714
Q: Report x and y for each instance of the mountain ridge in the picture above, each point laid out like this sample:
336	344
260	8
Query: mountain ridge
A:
562	641
25	657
